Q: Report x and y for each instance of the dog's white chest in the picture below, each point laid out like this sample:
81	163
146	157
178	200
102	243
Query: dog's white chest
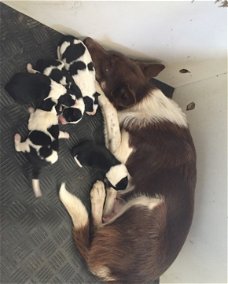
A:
124	151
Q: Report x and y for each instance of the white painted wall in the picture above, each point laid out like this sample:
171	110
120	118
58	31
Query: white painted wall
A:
187	34
204	255
181	35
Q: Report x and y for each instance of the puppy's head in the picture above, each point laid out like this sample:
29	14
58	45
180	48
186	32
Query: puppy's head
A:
124	81
117	177
91	103
71	109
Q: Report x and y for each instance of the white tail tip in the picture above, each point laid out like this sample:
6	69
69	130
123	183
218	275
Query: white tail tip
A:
36	188
74	207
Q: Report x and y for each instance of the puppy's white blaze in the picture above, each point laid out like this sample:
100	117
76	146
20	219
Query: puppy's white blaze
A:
74	207
116	173
156	107
140	201
77	161
36	187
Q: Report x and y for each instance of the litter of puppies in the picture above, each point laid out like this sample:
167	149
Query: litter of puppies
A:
62	90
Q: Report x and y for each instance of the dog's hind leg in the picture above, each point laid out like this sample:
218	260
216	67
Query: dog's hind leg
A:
109	201
20	146
97	197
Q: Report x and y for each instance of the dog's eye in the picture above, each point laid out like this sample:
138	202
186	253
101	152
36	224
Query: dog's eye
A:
106	69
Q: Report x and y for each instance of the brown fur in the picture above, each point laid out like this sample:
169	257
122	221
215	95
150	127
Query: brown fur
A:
141	244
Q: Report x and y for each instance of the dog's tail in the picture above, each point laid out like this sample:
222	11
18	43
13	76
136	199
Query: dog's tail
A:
36	182
80	219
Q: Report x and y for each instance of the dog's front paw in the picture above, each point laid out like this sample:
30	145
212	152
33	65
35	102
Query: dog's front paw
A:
114	143
97	194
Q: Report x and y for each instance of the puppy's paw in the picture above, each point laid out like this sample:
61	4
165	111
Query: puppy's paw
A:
17	138
31	110
29	68
97	194
64	135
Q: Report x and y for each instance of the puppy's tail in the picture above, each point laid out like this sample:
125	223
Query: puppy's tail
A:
80	219
36	182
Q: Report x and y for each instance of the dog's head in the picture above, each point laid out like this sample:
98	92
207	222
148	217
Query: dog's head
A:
124	81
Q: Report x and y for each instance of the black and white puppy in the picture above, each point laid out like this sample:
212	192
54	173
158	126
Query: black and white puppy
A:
28	88
56	71
90	154
52	68
78	62
42	142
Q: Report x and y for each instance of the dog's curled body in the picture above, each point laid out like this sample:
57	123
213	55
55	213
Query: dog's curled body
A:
143	239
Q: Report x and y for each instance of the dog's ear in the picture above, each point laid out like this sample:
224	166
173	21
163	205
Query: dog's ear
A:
125	95
150	70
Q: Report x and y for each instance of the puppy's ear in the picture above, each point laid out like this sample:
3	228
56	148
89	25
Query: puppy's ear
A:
125	96
150	70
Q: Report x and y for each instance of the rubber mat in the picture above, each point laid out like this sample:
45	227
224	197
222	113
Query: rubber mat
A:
36	239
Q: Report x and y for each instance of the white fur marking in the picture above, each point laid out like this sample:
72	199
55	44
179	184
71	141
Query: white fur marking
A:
36	188
64	135
103	272
77	161
116	173
111	122
140	201
124	150
53	157
74	207
30	69
156	107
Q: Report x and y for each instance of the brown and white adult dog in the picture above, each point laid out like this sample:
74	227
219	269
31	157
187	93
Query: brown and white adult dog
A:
139	242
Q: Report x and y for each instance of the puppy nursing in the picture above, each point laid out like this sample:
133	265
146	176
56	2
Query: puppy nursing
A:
61	93
78	62
56	71
41	145
92	155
